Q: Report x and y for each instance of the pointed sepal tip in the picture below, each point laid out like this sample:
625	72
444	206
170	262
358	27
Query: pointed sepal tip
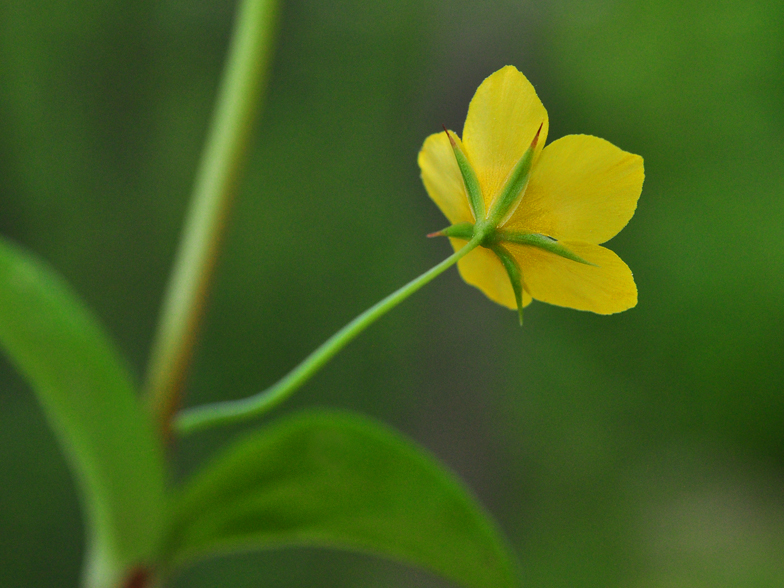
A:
514	273
536	137
470	181
449	136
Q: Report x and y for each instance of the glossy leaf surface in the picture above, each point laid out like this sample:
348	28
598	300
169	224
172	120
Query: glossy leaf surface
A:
89	400
343	481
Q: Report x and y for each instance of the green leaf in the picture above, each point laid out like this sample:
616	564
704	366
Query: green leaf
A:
89	400
343	481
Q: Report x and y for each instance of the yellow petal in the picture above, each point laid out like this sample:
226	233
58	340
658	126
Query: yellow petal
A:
481	268
443	180
605	289
503	118
582	188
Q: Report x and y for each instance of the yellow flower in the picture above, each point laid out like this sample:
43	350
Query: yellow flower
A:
542	212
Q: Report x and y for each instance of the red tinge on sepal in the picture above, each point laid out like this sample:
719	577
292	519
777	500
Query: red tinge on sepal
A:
451	140
436	234
536	138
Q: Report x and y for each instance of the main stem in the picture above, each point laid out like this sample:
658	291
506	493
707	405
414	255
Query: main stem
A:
222	413
223	159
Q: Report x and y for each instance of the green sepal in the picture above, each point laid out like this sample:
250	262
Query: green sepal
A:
515	275
471	182
459	231
506	202
536	240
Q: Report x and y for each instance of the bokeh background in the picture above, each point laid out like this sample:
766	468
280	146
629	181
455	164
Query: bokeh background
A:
642	450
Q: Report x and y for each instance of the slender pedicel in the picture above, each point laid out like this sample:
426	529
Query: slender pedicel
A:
222	413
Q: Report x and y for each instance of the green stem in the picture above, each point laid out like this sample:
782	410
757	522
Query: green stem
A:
222	413
238	104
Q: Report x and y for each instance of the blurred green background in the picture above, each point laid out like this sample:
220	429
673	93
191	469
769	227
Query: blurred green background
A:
641	450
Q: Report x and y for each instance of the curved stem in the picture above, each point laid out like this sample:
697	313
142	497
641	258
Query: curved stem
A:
222	413
237	107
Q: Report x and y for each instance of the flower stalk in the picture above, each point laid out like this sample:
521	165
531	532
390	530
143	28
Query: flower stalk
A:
223	413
